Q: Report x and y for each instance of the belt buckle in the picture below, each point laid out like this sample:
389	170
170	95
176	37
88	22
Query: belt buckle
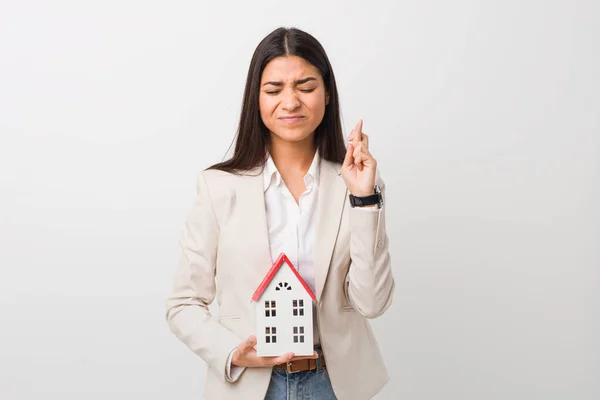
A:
288	366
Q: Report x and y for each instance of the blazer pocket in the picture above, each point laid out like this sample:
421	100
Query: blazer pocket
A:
228	317
233	323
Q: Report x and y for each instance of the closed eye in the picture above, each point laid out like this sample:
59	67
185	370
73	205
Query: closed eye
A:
274	92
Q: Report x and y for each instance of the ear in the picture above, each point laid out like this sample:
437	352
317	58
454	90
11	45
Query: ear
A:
326	98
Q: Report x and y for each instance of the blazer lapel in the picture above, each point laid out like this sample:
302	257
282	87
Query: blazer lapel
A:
332	197
253	230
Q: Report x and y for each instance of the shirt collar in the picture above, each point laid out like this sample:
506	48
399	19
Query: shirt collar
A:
271	173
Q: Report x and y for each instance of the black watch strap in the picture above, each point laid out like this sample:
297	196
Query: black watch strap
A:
361	201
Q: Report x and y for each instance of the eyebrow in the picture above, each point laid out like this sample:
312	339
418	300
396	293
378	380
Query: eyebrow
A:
298	82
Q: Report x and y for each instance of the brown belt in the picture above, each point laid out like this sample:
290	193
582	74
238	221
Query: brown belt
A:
309	364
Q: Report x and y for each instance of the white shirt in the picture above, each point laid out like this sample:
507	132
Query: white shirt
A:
292	226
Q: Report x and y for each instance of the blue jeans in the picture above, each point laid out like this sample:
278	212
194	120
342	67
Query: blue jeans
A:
303	385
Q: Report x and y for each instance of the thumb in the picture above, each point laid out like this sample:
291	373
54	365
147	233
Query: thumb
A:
348	160
247	344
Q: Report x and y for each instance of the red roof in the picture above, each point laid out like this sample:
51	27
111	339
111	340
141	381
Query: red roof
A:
276	265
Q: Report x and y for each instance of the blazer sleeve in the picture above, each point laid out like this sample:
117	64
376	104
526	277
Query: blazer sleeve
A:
369	284
194	287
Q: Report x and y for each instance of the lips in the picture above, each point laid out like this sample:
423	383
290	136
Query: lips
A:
292	119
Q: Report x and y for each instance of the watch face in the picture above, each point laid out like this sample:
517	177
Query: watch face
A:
379	196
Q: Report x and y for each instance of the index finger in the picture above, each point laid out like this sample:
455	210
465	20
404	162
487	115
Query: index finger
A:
275	360
357	135
314	356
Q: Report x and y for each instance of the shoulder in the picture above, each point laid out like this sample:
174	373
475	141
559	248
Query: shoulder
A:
215	177
221	184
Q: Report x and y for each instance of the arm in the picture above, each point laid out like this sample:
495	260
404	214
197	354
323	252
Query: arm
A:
193	289
369	284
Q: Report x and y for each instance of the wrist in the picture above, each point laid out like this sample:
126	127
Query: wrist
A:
234	359
362	193
364	199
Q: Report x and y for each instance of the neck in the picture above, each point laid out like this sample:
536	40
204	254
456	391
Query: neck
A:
292	157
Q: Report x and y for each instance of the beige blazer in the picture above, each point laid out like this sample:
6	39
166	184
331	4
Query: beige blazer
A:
225	253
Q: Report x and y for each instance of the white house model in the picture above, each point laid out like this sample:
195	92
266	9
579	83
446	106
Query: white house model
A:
284	320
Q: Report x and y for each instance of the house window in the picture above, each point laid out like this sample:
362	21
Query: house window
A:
270	310
298	307
298	334
271	334
283	286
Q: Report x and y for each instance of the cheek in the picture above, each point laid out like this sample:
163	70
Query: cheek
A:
266	105
317	105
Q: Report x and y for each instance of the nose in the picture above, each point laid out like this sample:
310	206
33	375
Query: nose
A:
290	101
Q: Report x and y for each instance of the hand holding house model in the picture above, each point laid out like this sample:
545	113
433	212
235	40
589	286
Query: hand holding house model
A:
284	312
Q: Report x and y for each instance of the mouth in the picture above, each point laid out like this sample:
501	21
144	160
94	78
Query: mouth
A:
293	119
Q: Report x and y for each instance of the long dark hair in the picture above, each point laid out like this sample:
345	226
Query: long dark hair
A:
252	135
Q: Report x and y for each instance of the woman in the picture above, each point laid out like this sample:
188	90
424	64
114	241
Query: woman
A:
291	187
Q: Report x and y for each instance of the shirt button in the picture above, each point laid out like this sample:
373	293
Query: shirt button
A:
380	244
320	305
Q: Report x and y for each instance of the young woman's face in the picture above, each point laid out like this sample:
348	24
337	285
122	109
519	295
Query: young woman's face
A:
292	98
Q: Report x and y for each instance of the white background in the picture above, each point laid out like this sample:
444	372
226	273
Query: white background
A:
485	120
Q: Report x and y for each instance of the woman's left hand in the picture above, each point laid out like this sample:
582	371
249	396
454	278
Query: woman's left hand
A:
359	165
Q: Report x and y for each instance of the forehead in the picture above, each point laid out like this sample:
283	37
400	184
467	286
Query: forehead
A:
289	69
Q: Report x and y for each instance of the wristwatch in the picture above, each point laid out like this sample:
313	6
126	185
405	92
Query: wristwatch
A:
361	201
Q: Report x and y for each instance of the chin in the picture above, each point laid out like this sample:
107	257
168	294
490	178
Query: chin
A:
292	135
